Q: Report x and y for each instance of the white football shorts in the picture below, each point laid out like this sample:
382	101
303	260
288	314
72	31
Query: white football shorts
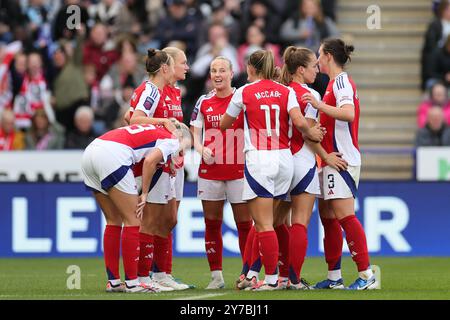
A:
268	174
216	190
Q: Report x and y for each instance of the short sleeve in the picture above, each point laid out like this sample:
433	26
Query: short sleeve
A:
292	100
167	146
197	119
343	91
310	111
236	104
149	100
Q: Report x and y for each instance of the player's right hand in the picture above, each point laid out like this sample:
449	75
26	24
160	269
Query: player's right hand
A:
316	133
334	160
167	123
141	204
207	155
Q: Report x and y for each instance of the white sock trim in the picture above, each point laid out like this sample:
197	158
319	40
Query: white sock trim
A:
271	279
252	274
158	275
334	275
217	274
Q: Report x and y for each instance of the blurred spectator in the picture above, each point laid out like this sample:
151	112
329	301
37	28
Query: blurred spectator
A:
38	24
127	65
10	138
255	40
217	45
83	134
110	113
18	71
43	135
98	51
435	132
435	37
6	57
11	17
440	65
69	87
138	16
178	25
90	79
60	27
264	15
33	92
105	12
308	27
438	96
227	14
329	8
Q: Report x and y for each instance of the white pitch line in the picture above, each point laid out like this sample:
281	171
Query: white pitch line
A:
204	296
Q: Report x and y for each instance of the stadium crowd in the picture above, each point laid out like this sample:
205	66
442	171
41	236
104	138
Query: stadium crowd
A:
63	83
433	113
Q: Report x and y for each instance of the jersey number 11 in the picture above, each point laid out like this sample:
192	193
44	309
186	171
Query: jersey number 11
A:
266	109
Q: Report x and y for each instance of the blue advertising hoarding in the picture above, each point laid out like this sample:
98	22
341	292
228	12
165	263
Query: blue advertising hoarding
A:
62	219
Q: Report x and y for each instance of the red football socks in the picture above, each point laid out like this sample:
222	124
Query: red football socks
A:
161	253
111	249
168	267
146	254
247	259
130	251
213	243
332	243
298	243
243	229
269	251
356	240
282	232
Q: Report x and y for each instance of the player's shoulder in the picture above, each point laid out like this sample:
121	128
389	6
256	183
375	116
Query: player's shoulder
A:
342	81
314	93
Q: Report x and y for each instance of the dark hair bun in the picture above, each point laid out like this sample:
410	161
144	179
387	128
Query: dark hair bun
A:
151	52
349	49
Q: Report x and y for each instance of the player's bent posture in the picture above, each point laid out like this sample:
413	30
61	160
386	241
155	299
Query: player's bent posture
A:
162	262
340	116
268	107
300	69
106	169
221	171
149	105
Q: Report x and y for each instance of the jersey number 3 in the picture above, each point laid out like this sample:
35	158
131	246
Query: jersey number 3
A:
266	109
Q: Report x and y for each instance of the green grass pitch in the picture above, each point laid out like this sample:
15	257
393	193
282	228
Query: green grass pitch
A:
401	278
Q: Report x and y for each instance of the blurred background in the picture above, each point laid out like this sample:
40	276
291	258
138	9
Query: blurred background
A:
60	87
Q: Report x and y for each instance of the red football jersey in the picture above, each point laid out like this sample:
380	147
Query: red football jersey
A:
342	136
266	106
308	111
141	139
172	103
227	147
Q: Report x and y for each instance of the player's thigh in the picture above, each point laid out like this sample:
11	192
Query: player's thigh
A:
152	218
281	214
302	206
127	204
261	210
213	210
343	207
109	209
325	210
241	212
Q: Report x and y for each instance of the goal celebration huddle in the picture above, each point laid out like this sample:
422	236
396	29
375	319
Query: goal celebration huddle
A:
269	148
